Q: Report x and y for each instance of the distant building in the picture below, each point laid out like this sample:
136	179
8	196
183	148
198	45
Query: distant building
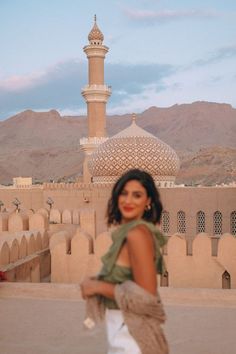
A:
19	182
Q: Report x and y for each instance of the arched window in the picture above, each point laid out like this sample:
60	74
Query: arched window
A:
233	223
181	222
226	281
201	227
165	222
165	279
217	223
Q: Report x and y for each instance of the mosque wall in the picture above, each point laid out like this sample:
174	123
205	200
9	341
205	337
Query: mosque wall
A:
181	204
80	196
76	219
30	197
192	200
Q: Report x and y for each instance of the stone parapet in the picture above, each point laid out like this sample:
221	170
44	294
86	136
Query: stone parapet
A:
201	269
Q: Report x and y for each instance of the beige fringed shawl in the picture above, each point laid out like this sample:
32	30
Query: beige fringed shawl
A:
143	314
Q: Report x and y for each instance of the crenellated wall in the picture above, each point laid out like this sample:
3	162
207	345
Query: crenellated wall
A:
77	219
24	256
24	246
200	269
182	205
84	258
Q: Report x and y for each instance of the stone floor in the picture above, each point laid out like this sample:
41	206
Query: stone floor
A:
47	319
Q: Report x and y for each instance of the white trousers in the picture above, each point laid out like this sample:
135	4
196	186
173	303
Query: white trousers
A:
119	339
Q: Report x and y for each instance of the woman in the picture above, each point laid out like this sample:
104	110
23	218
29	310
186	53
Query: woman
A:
127	282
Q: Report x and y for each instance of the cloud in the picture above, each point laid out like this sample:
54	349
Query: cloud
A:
168	15
135	87
59	87
17	83
226	52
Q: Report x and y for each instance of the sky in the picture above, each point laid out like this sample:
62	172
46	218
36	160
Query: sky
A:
161	53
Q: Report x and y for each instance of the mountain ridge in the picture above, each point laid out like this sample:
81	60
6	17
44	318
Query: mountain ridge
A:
38	143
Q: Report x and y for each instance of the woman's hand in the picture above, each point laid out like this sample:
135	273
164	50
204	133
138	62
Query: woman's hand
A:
88	287
91	286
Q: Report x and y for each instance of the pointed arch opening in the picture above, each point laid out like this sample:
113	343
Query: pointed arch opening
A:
164	279
233	223
201	222
226	280
181	222
217	223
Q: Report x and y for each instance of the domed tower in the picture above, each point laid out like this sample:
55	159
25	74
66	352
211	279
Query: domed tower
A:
134	147
96	95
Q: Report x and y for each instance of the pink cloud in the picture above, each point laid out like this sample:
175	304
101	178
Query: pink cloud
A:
19	82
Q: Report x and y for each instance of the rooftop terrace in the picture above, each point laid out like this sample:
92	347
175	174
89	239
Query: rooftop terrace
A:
47	319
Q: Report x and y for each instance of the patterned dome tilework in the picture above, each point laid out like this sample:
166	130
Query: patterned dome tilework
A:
118	154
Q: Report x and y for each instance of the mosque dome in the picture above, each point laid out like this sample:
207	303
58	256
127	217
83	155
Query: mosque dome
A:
95	34
134	147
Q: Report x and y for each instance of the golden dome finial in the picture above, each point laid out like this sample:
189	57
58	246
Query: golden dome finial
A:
95	18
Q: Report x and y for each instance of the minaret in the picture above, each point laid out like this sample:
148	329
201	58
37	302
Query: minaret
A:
96	95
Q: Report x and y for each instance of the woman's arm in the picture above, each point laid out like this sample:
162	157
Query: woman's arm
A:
142	258
90	287
141	254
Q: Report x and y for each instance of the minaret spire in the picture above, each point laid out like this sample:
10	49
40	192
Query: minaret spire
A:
96	93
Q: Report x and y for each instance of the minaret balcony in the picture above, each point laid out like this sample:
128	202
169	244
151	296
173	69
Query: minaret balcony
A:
93	50
96	93
90	144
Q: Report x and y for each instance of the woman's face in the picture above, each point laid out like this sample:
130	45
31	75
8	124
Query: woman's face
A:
132	201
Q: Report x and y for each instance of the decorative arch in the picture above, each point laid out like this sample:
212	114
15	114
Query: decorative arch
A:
233	222
164	279
201	222
165	222
181	222
217	223
226	280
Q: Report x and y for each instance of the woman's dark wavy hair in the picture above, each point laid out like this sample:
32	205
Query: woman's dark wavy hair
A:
153	215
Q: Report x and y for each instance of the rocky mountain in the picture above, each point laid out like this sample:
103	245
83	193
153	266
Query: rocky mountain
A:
46	146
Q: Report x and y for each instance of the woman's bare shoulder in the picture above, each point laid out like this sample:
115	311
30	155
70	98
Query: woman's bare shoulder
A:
139	236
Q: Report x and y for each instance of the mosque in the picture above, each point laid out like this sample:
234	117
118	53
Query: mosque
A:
59	232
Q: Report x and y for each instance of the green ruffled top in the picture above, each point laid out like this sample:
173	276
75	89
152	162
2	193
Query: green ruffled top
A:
113	273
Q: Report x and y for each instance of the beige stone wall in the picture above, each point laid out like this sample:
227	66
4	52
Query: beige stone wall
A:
201	269
18	222
192	200
82	260
30	198
84	205
4	221
38	221
24	255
